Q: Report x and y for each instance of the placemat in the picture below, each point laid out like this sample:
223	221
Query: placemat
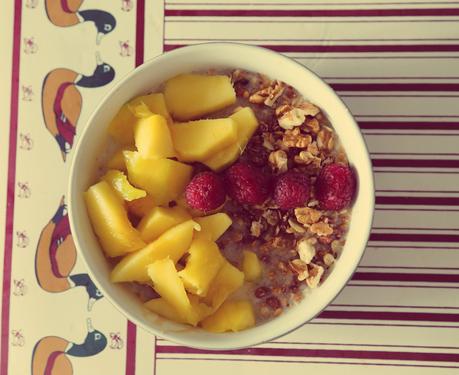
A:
396	65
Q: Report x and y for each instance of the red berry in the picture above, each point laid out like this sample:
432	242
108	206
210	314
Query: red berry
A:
246	184
205	192
291	190
335	187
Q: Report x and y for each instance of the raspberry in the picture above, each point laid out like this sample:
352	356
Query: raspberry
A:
246	184
205	192
291	190
335	187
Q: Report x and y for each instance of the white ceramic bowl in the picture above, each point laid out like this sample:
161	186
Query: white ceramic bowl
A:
195	58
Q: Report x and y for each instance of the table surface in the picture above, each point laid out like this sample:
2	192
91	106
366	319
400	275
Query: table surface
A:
396	65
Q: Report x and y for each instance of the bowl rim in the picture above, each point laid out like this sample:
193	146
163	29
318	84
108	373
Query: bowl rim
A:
177	338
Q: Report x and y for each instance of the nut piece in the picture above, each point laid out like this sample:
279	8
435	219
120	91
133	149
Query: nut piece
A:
306	158
295	227
305	250
325	139
328	259
321	229
313	125
255	228
300	268
278	159
293	138
268	141
268	95
271	217
315	274
309	109
307	216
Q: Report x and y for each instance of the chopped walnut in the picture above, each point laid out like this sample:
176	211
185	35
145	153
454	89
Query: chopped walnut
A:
305	250
268	95
321	229
268	141
293	138
315	274
278	159
312	125
256	228
289	120
325	139
328	259
306	158
271	217
313	149
300	268
309	109
307	216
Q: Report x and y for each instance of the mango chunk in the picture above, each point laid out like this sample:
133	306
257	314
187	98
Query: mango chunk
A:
247	124
120	183
160	219
110	221
121	127
231	316
213	226
117	160
169	286
251	266
197	312
153	138
189	96
140	207
163	179
199	140
173	244
228	280
203	263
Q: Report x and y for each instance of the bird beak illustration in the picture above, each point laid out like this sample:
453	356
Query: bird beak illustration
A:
99	37
64	155
89	325
91	303
98	59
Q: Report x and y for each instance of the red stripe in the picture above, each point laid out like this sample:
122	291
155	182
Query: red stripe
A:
416	163
402	125
425	201
131	343
140	33
395	86
388	315
311	12
321	353
352	48
414	277
402	237
8	245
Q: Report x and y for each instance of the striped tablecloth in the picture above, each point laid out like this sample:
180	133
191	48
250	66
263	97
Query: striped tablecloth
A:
395	63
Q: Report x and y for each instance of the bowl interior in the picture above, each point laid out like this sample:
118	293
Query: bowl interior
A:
200	57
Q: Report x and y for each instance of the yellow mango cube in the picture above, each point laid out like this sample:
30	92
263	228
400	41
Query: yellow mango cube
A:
160	219
110	221
247	124
163	179
199	140
140	207
190	96
197	312
213	226
169	286
172	244
251	266
117	160
231	316
203	263
120	183
121	127
153	138
228	280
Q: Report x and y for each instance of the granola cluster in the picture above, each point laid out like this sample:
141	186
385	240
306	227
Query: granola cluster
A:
297	246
